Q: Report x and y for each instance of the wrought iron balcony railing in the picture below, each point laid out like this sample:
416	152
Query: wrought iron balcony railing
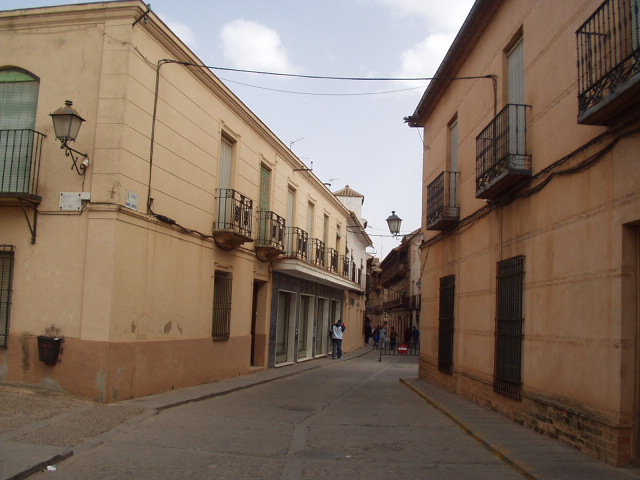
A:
399	302
608	61
297	243
333	258
502	158
316	252
270	230
235	212
393	273
20	154
442	201
345	264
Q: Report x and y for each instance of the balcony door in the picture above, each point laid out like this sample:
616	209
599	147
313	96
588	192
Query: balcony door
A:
264	205
18	106
516	96
453	167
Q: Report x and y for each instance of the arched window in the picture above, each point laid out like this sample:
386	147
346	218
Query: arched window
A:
18	106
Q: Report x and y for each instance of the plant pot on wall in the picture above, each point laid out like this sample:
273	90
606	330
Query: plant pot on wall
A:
49	349
50	345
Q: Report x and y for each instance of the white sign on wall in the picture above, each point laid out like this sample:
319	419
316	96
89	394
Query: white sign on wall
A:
70	201
132	200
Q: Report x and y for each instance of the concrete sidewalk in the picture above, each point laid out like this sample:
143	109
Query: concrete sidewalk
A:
41	428
532	454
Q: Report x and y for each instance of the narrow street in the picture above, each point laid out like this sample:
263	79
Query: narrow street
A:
350	419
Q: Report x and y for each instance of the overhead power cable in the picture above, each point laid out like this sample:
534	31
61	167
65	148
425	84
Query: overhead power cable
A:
421	87
358	79
324	77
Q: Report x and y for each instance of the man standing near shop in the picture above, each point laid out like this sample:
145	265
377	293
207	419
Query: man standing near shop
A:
336	335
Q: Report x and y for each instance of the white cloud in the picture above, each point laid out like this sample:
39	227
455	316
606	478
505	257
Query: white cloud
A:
423	59
442	21
252	45
184	32
440	16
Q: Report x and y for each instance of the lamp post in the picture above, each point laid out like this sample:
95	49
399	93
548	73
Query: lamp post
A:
394	222
66	123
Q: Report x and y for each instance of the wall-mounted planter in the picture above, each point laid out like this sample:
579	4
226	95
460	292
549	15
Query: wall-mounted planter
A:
49	349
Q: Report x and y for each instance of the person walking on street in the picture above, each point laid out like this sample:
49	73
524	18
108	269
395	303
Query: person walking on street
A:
336	334
383	335
376	338
393	336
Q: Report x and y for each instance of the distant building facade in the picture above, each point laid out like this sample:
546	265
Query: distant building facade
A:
532	206
400	278
354	264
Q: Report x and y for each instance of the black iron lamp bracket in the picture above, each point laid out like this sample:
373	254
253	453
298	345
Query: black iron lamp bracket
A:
80	167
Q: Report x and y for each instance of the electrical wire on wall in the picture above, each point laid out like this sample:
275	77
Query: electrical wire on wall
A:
545	176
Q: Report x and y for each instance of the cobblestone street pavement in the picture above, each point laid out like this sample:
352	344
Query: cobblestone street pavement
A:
354	418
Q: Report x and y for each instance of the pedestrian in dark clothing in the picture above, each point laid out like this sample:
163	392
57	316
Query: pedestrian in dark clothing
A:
367	332
393	336
407	335
415	335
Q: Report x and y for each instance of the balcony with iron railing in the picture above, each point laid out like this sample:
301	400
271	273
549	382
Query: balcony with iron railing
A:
316	252
400	302
333	260
345	264
394	273
270	241
20	154
233	226
609	62
502	158
442	202
296	243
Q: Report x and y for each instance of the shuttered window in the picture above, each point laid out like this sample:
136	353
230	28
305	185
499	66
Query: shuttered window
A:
265	189
6	281
18	100
18	106
226	164
516	74
222	305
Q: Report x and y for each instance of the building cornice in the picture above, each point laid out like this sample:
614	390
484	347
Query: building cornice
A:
306	271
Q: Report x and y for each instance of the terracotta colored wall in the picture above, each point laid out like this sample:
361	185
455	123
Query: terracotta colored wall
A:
580	287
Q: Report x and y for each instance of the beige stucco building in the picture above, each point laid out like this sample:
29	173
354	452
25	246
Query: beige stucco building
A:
193	246
531	213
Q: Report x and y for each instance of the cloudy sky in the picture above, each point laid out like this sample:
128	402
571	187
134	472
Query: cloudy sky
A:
350	132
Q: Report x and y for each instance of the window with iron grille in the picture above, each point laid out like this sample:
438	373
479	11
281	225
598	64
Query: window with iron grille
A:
222	306
445	330
6	279
509	327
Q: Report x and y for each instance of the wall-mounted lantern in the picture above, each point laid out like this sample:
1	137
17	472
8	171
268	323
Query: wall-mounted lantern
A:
66	123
